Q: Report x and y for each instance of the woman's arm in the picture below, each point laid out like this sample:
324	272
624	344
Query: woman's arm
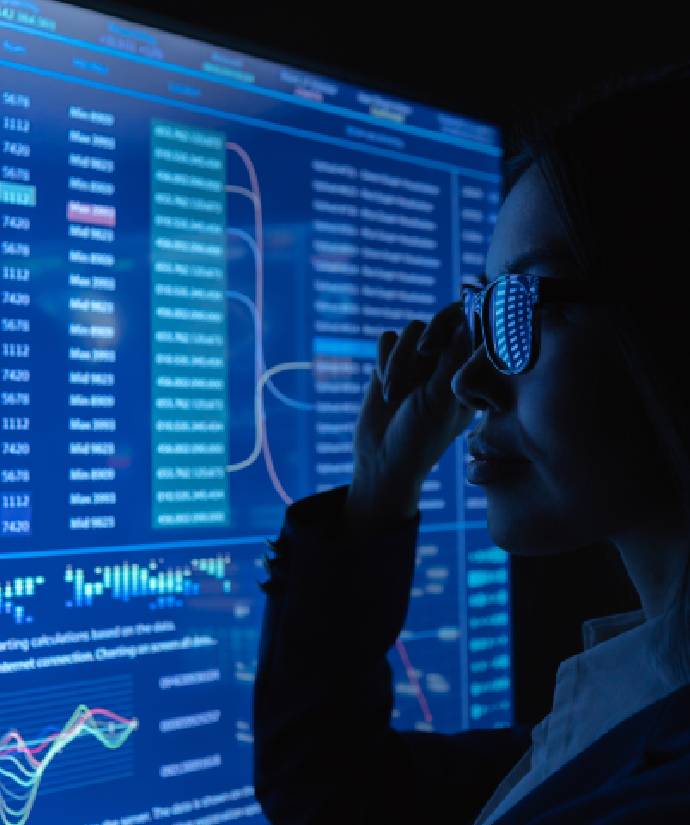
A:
324	750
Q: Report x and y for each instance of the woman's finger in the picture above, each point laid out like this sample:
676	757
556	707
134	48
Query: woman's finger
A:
438	390
440	329
401	368
385	346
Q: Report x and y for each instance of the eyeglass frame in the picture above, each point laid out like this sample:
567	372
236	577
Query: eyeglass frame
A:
541	289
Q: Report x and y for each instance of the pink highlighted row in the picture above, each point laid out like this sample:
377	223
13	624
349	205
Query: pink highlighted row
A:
93	213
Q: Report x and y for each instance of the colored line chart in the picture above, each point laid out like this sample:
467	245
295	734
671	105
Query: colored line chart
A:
262	375
47	750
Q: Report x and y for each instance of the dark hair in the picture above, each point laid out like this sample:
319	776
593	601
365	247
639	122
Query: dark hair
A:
616	159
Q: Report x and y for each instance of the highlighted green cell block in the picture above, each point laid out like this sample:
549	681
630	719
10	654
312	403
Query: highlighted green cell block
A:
17	194
189	376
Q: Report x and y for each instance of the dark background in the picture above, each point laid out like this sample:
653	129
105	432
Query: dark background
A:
492	63
481	59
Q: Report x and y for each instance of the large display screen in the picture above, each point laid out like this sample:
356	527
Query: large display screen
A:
200	249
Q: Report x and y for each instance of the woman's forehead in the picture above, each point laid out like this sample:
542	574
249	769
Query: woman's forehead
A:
554	256
527	221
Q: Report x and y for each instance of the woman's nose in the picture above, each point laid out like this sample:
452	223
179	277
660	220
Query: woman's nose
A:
474	384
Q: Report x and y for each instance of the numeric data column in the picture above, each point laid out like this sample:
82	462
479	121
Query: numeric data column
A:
17	199
188	326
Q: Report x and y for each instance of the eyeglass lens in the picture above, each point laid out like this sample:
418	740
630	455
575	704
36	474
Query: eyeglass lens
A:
509	330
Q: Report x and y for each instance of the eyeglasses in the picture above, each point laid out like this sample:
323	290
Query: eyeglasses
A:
506	315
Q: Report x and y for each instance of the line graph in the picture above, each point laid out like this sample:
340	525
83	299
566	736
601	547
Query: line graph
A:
253	193
50	749
22	763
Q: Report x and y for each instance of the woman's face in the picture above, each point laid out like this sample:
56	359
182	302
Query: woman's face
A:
594	469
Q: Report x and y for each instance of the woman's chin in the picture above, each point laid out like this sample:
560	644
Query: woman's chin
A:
524	533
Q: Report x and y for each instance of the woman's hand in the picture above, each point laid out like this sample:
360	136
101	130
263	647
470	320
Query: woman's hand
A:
397	441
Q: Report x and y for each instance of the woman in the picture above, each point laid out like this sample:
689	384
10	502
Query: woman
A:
599	416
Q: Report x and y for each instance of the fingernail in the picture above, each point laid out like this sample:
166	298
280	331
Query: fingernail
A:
454	382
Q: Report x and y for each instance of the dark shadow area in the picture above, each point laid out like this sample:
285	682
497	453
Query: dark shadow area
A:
552	596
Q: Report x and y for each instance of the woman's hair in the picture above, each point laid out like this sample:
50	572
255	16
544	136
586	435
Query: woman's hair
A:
616	160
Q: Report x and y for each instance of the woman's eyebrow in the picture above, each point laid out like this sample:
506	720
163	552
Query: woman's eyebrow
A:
543	255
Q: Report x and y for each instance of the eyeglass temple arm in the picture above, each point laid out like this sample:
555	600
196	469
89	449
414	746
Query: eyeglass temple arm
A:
562	289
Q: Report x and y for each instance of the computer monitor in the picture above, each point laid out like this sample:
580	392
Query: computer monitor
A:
200	249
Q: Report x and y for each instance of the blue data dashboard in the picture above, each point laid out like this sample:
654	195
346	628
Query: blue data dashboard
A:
199	251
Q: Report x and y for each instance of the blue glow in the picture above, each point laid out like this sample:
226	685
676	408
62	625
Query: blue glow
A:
200	250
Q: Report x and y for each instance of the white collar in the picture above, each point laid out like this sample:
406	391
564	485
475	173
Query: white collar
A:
595	690
601	628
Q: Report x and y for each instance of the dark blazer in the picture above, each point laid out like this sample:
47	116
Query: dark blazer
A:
324	750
